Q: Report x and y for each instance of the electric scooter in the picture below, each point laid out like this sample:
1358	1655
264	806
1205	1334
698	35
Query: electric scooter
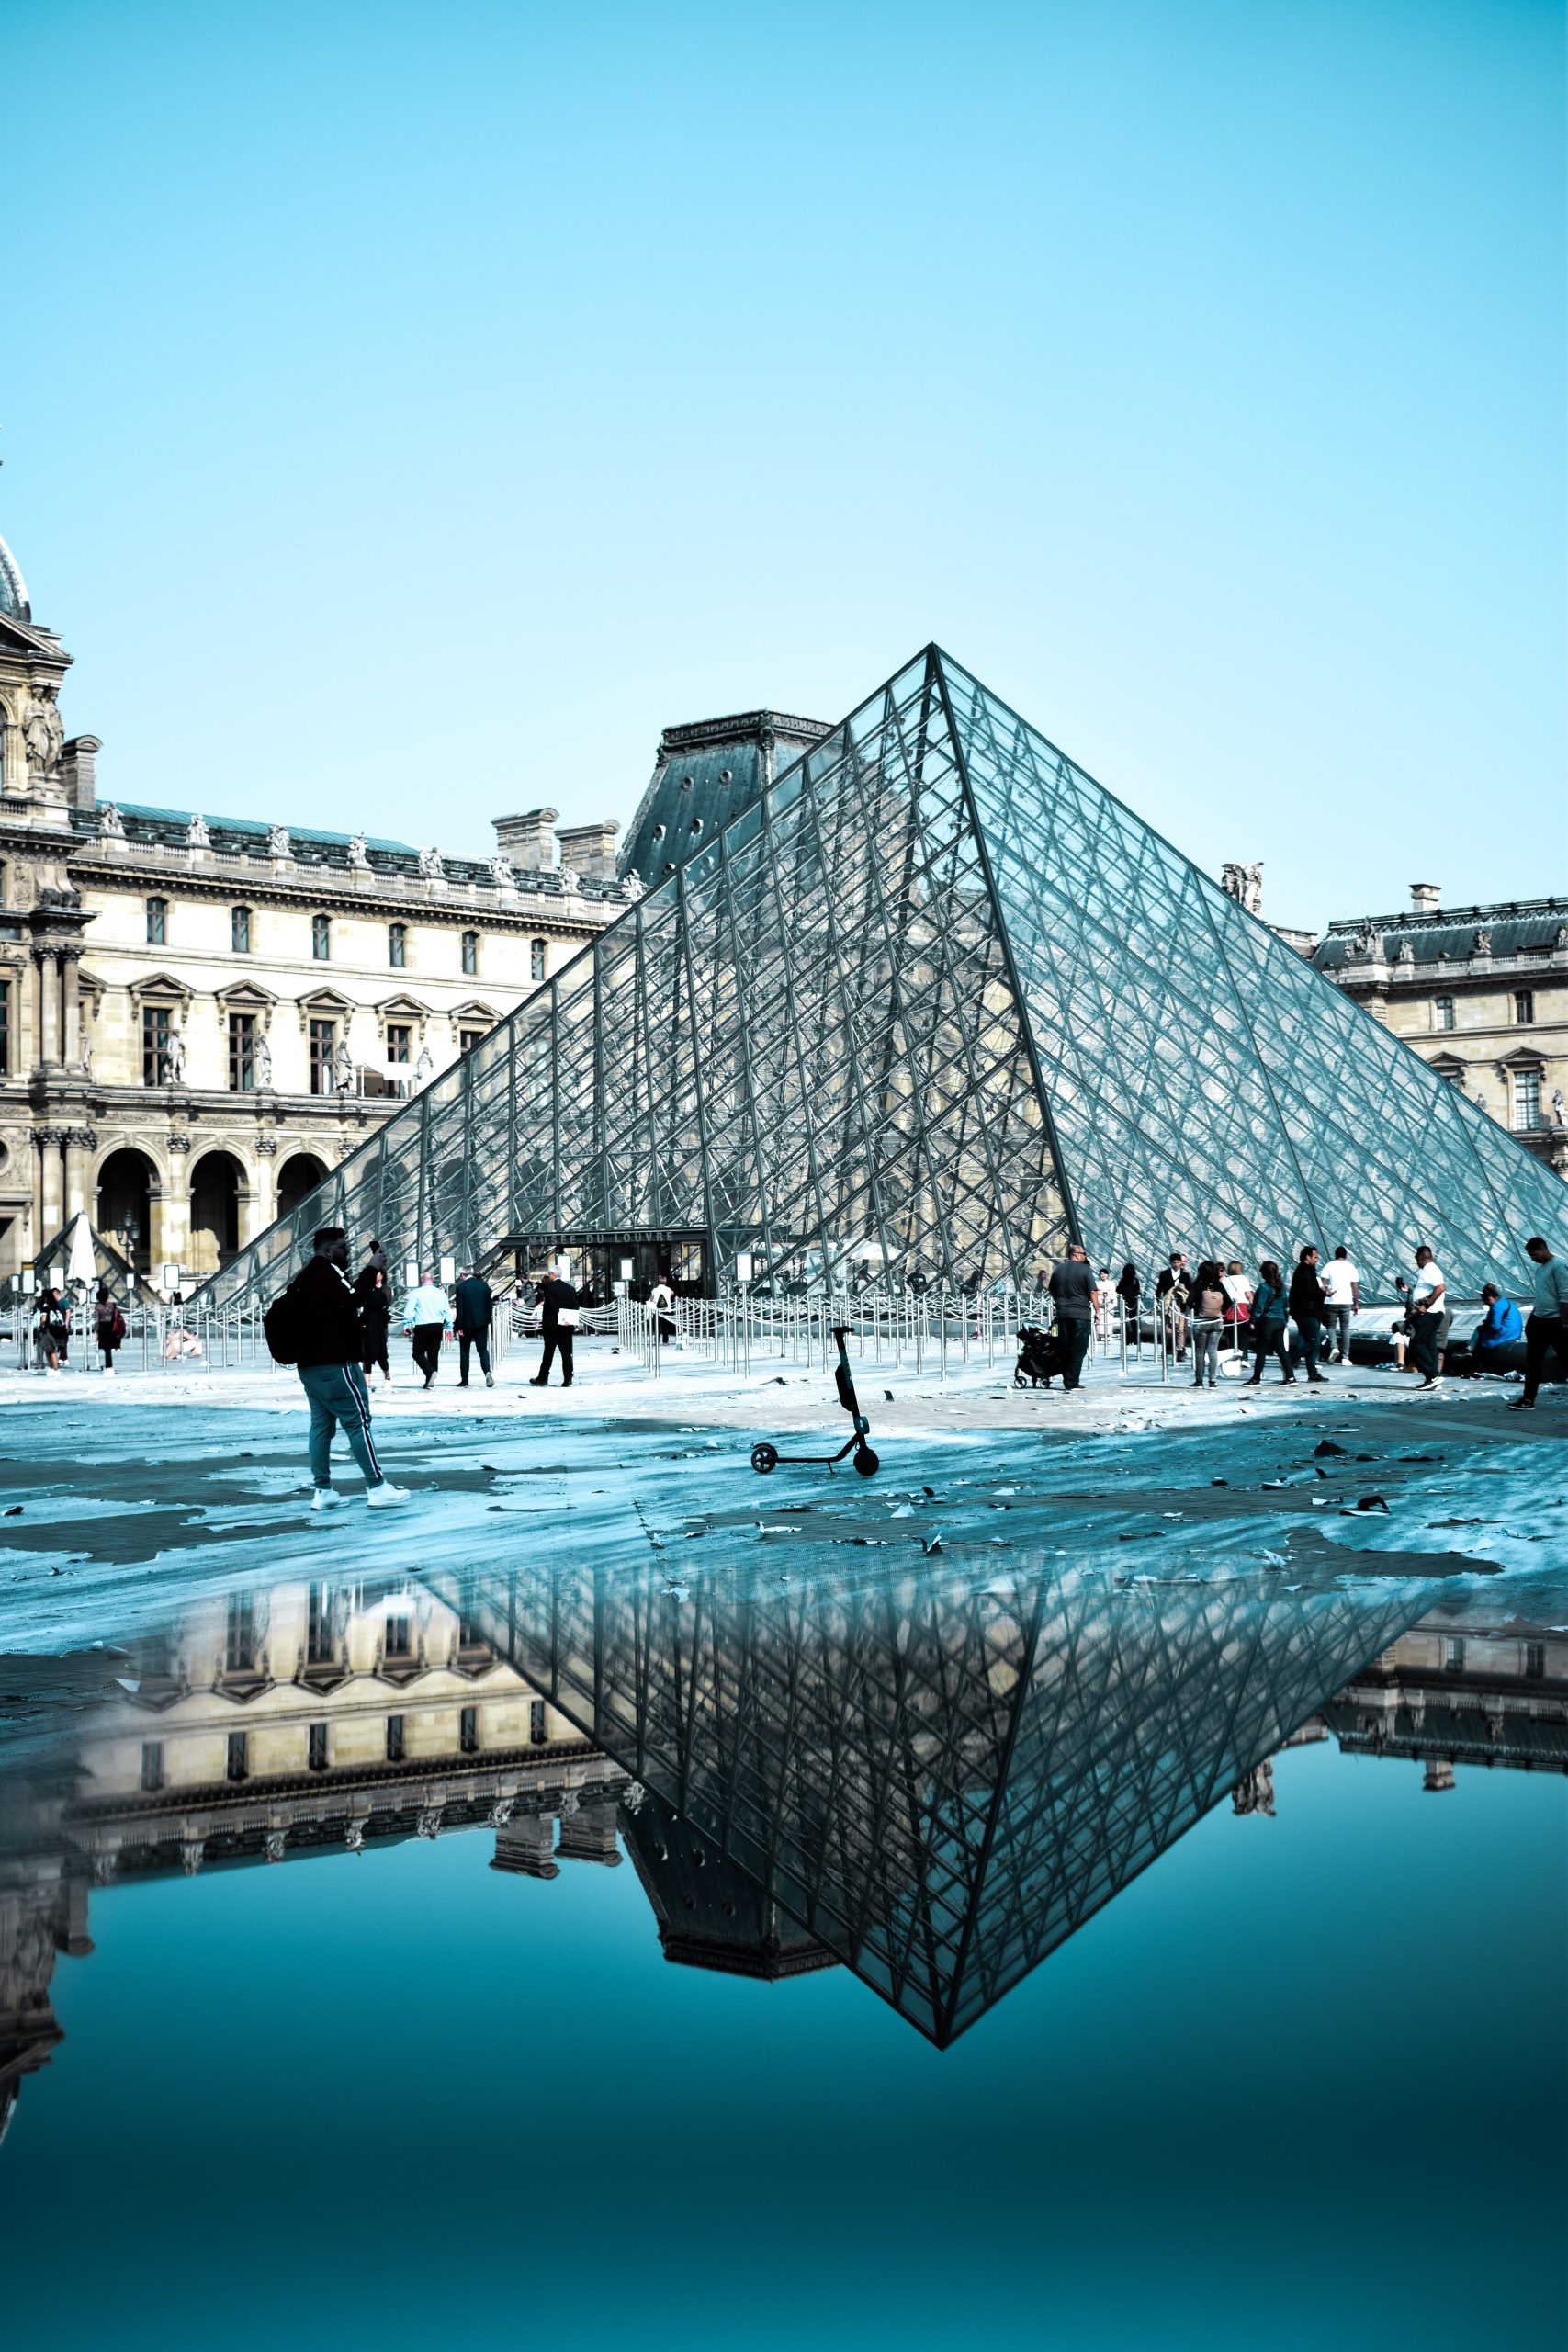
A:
766	1457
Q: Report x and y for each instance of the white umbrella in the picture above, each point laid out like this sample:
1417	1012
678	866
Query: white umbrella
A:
82	1265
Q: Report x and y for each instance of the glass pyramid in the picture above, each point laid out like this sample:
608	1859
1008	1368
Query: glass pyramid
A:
937	1002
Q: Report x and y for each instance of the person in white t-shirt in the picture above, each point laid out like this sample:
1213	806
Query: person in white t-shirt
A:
1426	1295
1342	1299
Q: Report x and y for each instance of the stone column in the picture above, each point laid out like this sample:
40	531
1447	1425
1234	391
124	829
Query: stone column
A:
70	1008
79	1142
51	1197
48	1007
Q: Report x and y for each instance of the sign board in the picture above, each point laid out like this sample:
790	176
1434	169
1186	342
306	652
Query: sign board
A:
171	1278
563	1266
628	1269
30	1281
411	1275
448	1269
743	1265
619	1289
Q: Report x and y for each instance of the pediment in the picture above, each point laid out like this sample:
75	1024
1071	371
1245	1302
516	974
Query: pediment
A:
161	984
323	1002
246	995
402	1007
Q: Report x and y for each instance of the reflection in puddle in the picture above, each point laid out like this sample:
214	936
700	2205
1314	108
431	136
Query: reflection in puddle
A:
931	1784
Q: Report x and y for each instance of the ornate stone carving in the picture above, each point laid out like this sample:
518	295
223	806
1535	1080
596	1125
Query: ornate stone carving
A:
342	1067
278	842
502	1812
1559	1109
503	873
196	834
175	1059
430	865
268	1146
429	1822
424	1070
570	880
193	1853
1245	884
275	1845
359	854
1483	945
43	735
631	888
261	1066
353	1837
111	824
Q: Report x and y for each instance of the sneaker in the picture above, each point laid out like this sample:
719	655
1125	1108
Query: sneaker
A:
1521	1404
1317	1380
1428	1384
386	1497
490	1380
325	1497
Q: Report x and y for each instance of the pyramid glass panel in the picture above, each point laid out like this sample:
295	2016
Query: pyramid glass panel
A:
936	1002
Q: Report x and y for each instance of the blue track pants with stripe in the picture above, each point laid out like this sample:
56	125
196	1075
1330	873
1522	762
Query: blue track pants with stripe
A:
339	1399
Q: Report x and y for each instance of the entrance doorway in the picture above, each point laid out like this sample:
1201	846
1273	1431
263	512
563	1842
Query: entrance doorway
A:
297	1176
216	1183
127	1183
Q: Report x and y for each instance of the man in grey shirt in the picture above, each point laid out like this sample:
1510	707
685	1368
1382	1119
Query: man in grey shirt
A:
1546	1333
1072	1288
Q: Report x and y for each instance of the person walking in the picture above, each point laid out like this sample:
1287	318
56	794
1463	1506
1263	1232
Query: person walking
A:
51	1331
108	1326
1341	1302
1501	1326
473	1305
1546	1333
1072	1288
558	1321
1172	1296
373	1291
319	1317
427	1313
1426	1295
1267	1324
661	1298
1306	1309
1208	1322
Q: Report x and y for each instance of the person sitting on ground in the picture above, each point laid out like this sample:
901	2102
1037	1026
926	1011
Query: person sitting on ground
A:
1502	1325
1267	1324
1208	1322
108	1326
324	1329
427	1313
1546	1333
1072	1288
557	1322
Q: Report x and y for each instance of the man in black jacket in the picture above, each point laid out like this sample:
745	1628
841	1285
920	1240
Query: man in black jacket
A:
328	1339
554	1293
472	1302
1072	1288
1307	1300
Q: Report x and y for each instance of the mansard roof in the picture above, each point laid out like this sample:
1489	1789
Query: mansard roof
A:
1517	927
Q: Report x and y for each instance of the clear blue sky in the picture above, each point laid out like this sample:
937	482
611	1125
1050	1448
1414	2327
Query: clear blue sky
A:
408	412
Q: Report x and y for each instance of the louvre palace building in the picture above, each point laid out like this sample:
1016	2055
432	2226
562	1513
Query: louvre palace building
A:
201	1014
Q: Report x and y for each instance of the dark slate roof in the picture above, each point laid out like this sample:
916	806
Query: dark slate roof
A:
1517	926
705	775
313	847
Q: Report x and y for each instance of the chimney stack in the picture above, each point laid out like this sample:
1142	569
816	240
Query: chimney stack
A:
77	771
590	850
1426	898
529	840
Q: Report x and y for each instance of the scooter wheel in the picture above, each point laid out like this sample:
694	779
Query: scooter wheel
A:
867	1463
764	1458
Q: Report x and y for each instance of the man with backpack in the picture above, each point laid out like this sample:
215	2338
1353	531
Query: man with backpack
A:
315	1326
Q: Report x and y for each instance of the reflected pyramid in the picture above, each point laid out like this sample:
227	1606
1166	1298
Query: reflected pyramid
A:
938	1782
937	1001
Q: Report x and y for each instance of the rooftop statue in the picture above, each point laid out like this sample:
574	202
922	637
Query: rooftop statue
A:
360	854
278	842
430	865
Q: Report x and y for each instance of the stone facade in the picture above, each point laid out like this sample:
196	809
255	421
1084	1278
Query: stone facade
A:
1481	993
200	1016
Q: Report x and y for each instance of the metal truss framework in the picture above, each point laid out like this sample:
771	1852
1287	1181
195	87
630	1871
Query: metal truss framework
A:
937	1002
939	1782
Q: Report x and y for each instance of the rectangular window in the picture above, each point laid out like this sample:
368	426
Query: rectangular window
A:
317	1754
241	1053
1526	1098
468	1731
537	959
157	922
239	1765
1443	1012
151	1764
318	1626
399	1042
1524	1007
240	930
398	1644
156	1021
239	1637
1453	1653
536	1722
324	1045
467	1039
394	1740
322	938
470	953
1535	1661
397	945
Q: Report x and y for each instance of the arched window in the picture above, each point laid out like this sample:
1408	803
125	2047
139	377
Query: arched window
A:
240	930
470	953
537	960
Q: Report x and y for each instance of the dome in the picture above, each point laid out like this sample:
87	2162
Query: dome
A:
13	587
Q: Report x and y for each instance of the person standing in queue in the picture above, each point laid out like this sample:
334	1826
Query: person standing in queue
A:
559	1306
427	1313
1425	1296
375	1298
1072	1288
1267	1324
1306	1309
473	1304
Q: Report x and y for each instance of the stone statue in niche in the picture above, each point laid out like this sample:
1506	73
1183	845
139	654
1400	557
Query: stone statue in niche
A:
197	835
1559	1110
342	1067
174	1059
278	842
430	865
44	735
359	854
424	1070
261	1066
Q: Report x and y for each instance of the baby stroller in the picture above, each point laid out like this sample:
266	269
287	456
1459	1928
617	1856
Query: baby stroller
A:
1039	1357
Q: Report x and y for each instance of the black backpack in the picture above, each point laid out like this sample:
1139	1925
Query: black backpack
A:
281	1324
